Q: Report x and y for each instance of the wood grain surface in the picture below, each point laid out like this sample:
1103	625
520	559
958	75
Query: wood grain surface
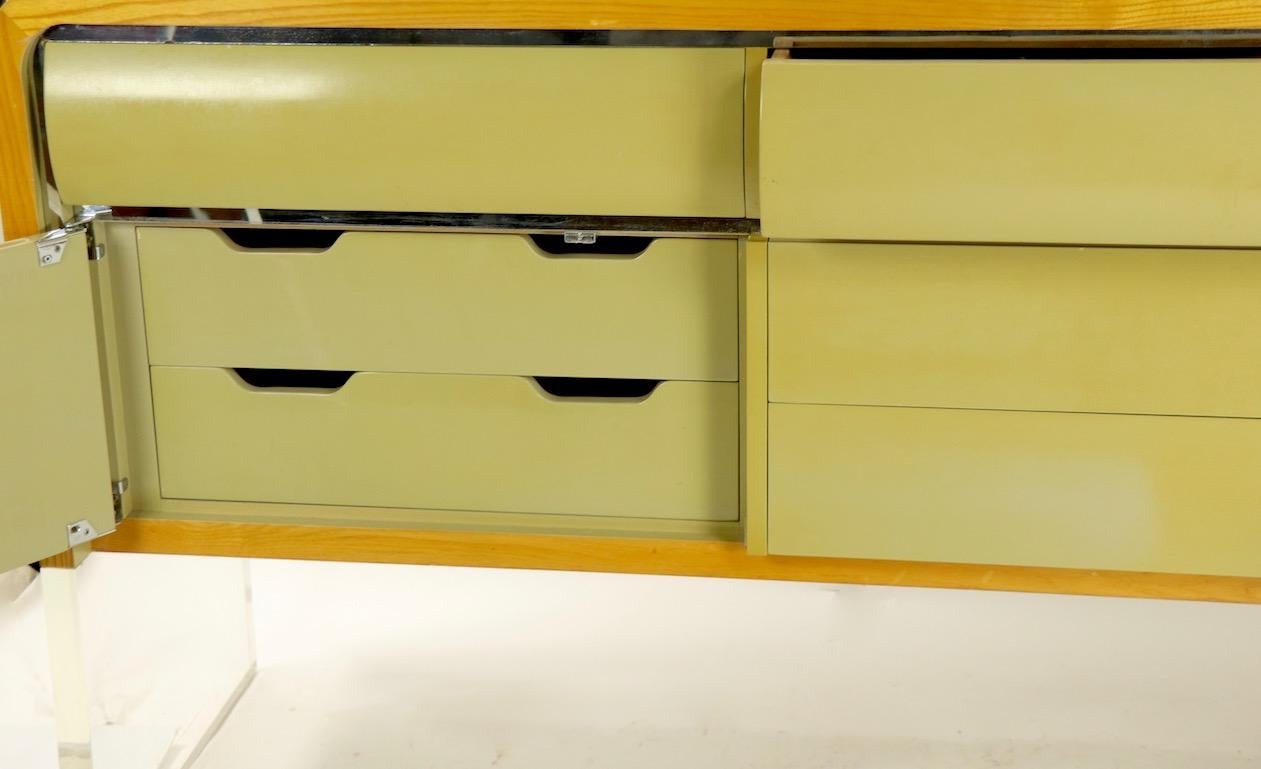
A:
63	560
32	15
637	556
17	186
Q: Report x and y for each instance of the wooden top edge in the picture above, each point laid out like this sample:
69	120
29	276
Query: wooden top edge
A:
752	15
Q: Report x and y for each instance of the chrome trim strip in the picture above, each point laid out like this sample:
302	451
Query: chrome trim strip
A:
49	213
89	33
409	221
1155	38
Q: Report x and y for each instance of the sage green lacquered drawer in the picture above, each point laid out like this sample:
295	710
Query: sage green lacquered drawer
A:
478	443
506	129
1121	330
442	303
1093	491
1093	151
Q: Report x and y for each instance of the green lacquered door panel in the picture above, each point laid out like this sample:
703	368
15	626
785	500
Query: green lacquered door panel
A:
54	464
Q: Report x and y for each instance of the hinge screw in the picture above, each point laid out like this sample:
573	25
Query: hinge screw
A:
51	254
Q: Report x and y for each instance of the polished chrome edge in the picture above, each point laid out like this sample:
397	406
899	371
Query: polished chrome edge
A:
50	213
91	33
1155	38
450	222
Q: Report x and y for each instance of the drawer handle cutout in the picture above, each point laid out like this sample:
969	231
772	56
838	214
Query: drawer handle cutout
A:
281	238
628	246
293	379
592	387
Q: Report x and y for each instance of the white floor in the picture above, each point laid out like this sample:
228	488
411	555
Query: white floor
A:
390	666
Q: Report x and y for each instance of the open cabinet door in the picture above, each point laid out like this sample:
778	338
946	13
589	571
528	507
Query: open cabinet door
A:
54	461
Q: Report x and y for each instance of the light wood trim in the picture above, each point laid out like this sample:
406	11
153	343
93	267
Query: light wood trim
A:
62	560
17	183
32	15
638	556
67	559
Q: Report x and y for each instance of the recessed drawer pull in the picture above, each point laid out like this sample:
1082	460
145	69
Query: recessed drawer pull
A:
592	387
629	246
281	238
293	379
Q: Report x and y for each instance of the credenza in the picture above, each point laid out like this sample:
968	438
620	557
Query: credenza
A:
723	303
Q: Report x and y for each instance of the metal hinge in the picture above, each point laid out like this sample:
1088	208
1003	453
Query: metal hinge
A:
79	532
83	531
52	245
580	237
117	488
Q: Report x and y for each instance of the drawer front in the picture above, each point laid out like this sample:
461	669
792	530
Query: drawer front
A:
442	303
1159	331
498	129
497	444
1111	152
1096	491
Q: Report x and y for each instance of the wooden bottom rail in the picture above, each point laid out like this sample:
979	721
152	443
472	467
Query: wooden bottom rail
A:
639	556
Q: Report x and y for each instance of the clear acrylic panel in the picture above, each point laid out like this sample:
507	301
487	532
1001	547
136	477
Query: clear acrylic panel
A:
127	661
